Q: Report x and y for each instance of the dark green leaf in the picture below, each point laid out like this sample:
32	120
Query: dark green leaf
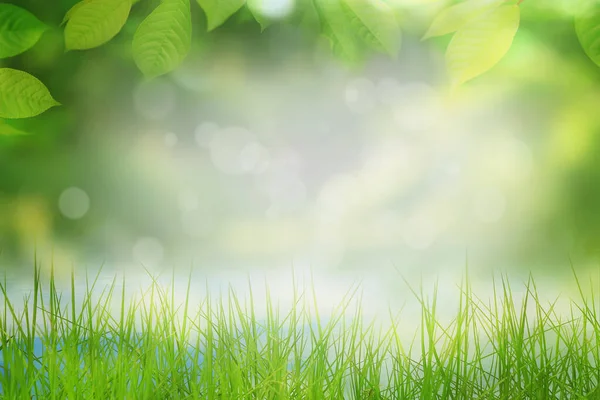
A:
587	26
19	30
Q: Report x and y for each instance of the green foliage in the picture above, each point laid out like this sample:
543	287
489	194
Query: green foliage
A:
164	38
587	26
95	22
19	30
455	17
481	43
375	22
335	27
219	11
100	344
483	29
255	7
22	95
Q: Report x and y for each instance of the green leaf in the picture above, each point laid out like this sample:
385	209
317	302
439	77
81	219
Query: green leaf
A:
9	130
375	22
95	22
336	28
310	19
481	44
587	26
22	95
73	9
218	11
70	13
455	17
163	39
19	30
255	7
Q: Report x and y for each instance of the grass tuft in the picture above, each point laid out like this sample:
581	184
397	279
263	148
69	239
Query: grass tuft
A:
153	348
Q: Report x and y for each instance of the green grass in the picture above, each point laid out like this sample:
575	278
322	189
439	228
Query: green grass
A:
55	347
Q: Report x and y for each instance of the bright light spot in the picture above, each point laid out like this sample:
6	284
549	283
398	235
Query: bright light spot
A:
272	212
287	194
388	90
226	150
205	133
197	223
329	249
502	157
453	169
360	95
274	9
188	200
417	107
187	75
338	196
286	161
148	251
420	232
390	168
323	128
74	203
171	139
282	185
489	205
514	159
254	158
383	227
154	100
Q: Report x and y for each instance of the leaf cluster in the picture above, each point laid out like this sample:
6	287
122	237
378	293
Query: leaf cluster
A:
483	32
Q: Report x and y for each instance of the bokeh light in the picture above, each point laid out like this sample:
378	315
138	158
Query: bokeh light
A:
274	9
154	99
148	251
74	203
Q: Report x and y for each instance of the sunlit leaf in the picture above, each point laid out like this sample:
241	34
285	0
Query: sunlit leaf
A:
163	39
19	30
218	11
22	95
482	43
374	21
455	17
336	28
95	22
256	8
587	26
71	11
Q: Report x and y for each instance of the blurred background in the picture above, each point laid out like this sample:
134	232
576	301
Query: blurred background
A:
264	151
